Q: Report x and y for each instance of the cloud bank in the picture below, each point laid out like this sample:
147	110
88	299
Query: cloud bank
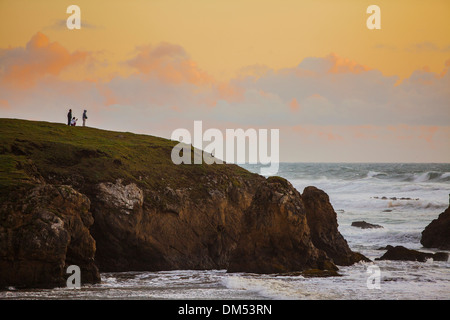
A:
328	105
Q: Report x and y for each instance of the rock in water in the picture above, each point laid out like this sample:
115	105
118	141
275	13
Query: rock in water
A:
275	237
41	233
402	253
437	233
322	221
365	225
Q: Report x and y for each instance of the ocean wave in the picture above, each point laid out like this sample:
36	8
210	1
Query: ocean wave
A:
376	174
419	177
429	176
287	288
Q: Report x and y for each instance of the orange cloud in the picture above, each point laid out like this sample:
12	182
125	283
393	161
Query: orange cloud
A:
364	132
330	136
109	97
230	93
327	133
40	57
344	65
407	132
427	133
170	64
446	67
294	106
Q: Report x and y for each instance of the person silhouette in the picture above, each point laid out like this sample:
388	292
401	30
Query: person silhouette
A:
69	117
84	118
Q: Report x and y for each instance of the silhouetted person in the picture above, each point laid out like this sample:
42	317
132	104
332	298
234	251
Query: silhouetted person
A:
69	117
84	118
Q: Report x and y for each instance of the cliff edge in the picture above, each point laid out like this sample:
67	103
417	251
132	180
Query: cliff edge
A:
114	201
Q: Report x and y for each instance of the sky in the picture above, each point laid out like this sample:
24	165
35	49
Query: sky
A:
336	90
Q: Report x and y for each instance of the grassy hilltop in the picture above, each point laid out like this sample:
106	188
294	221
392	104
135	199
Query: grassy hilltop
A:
33	150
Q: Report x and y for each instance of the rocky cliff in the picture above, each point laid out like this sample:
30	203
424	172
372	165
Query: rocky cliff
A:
322	220
275	235
42	232
437	233
113	201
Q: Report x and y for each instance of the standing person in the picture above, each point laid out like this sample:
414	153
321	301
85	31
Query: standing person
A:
69	117
84	118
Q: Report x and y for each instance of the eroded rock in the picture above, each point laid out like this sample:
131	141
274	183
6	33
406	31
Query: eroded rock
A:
122	197
275	236
437	233
41	233
365	225
402	253
322	221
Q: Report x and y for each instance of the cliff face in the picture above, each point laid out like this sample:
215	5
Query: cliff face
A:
275	236
437	233
322	221
41	233
175	229
115	201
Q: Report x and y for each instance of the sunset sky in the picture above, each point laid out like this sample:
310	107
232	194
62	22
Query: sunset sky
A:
337	91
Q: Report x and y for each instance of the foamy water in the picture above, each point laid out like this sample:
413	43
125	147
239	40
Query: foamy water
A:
356	192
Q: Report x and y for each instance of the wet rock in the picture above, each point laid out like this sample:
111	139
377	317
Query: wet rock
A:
437	233
402	253
365	225
41	233
275	236
322	221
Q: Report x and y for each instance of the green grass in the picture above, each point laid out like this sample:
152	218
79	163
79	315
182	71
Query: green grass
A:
60	152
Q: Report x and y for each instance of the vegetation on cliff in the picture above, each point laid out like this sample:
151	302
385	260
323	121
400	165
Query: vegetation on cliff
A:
32	151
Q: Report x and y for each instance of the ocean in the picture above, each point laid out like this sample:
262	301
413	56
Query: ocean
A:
402	198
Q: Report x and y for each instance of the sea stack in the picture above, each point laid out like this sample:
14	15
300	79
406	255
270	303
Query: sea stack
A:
437	233
275	236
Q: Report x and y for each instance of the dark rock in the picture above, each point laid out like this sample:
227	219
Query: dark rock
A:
41	233
402	253
322	221
395	198
437	233
172	229
440	256
317	273
386	248
365	225
275	236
